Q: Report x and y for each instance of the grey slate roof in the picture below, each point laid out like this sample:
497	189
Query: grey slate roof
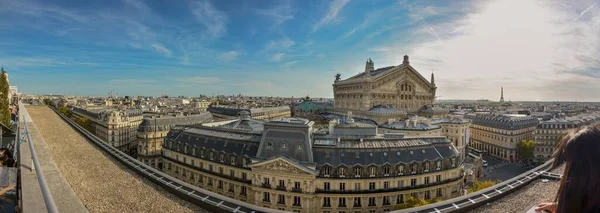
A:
373	73
505	121
381	152
246	124
383	109
218	140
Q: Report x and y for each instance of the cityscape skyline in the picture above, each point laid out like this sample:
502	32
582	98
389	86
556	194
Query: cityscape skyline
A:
543	51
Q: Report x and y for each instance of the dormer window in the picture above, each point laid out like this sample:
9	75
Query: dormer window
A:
212	155
326	171
342	171
453	162
357	171
232	160
414	169
426	167
386	171
372	171
299	147
269	144
284	145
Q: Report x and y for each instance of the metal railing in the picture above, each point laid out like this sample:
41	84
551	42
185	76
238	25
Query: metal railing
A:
48	199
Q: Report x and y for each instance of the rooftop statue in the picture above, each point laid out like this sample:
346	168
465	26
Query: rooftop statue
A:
338	77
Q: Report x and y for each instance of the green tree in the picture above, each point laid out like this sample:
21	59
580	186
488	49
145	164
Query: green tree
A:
525	149
479	185
63	110
4	102
411	202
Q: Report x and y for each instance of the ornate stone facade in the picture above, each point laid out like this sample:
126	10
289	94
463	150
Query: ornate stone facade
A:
399	86
286	165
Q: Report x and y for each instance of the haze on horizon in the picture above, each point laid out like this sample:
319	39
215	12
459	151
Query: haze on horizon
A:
537	50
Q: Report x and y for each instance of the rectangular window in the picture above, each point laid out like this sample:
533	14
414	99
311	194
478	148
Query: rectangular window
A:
266	182
427	195
281	184
326	202
386	185
426	181
413	182
357	202
438	192
243	175
297	201
231	187
220	184
400	183
326	186
386	200
438	178
232	173
372	186
243	190
221	170
280	199
266	197
400	199
371	201
342	186
357	186
342	202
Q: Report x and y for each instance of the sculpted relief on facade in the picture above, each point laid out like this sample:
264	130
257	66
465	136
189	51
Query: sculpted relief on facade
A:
281	167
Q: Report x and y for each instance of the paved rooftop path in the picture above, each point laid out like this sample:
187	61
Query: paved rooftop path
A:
100	182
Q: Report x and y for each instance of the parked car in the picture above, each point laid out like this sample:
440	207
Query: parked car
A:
485	163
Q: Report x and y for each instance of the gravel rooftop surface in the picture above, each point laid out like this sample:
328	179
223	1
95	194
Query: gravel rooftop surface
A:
558	169
101	183
523	199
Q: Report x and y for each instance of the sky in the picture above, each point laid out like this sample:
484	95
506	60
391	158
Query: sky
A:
538	50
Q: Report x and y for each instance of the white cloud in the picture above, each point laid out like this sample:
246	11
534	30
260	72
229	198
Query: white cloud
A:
308	43
161	49
530	52
280	44
229	56
279	13
334	9
214	20
277	57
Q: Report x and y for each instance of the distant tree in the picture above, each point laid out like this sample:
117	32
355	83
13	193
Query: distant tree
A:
4	102
411	202
47	101
85	123
479	185
525	149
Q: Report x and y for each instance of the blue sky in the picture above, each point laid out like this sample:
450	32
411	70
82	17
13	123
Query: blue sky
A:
536	50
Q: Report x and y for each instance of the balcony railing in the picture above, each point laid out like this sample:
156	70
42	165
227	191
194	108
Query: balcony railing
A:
393	189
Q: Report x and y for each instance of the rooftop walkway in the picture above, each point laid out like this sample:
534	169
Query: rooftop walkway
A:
81	177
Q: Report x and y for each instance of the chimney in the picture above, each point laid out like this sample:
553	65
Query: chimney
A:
331	125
